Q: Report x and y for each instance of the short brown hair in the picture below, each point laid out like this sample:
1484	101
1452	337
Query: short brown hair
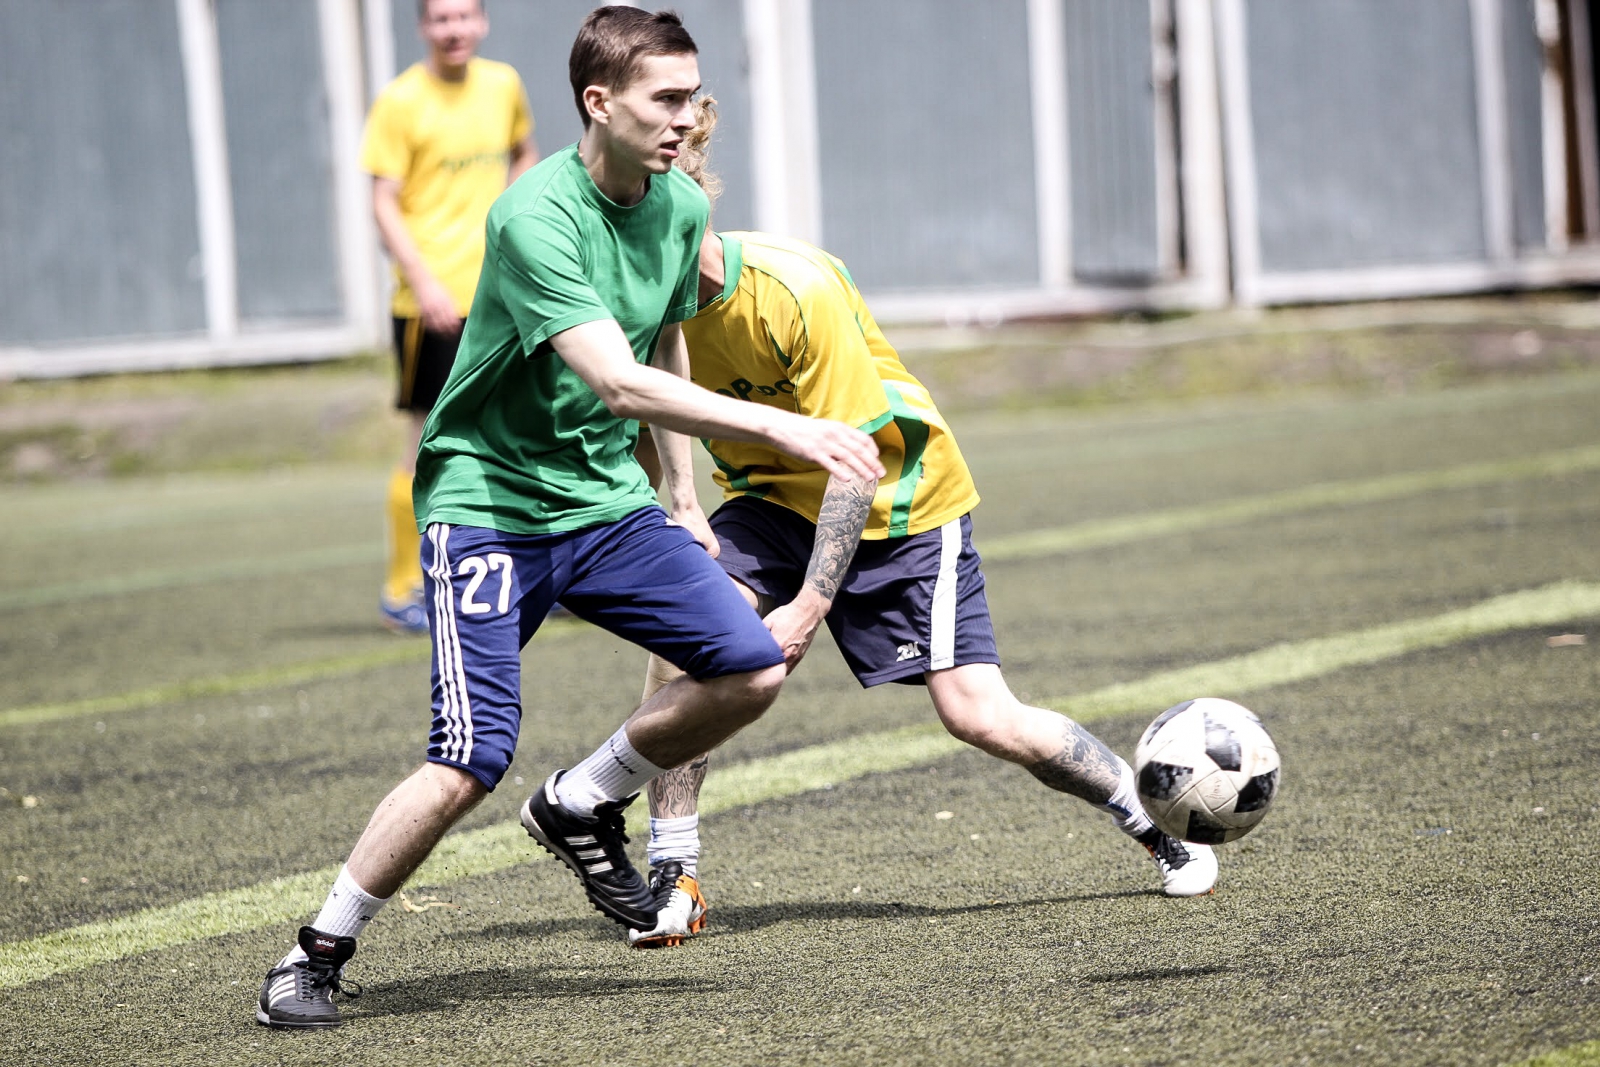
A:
611	42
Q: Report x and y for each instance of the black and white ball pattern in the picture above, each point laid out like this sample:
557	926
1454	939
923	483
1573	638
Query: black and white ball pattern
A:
1206	770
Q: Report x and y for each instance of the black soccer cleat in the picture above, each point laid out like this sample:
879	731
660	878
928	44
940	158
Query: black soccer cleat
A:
593	849
299	995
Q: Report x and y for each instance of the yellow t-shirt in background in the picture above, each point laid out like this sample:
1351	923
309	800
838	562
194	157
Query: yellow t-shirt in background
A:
791	330
448	144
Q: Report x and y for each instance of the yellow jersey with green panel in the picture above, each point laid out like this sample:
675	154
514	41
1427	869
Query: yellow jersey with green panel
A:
449	145
790	330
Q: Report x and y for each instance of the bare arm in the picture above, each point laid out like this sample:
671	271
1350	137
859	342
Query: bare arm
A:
675	453
644	453
524	154
845	509
434	302
598	352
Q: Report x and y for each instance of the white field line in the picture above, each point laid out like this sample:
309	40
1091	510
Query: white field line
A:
192	574
288	900
1583	1054
267	678
1057	540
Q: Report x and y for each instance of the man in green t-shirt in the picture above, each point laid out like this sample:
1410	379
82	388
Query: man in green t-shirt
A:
528	492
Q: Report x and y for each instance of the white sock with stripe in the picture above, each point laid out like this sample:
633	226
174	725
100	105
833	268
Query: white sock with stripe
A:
1124	807
612	772
676	839
346	913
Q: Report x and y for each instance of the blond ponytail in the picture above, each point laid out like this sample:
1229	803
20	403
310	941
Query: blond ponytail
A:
694	156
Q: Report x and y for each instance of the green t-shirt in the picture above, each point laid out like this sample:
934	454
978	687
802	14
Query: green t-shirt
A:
518	442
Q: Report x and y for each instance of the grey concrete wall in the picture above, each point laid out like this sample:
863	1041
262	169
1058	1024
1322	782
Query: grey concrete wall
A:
280	165
1524	124
926	142
1112	142
1366	133
98	236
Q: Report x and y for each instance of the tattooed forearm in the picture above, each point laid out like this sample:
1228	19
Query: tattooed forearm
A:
1084	767
840	520
677	792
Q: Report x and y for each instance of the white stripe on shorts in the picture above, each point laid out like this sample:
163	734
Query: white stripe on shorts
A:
439	573
942	621
457	707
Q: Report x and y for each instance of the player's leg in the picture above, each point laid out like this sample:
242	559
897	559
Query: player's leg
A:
765	550
976	706
938	632
424	361
485	595
674	794
650	582
674	847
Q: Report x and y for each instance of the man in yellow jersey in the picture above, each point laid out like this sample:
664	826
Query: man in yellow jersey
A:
889	565
444	139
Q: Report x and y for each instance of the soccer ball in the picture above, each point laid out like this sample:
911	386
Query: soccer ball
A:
1206	771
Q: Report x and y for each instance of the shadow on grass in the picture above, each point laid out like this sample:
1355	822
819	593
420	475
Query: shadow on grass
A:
742	918
1157	974
597	928
448	992
746	918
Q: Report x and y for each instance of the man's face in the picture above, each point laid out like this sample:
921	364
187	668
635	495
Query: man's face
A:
650	117
453	30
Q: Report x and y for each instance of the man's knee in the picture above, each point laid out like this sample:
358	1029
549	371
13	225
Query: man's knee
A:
975	706
453	789
746	696
977	722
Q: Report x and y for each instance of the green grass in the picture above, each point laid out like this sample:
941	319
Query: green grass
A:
1422	892
820	766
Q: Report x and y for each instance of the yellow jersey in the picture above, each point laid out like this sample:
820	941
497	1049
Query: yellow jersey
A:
449	145
790	330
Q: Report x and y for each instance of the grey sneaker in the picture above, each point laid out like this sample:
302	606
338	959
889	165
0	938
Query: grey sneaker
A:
299	995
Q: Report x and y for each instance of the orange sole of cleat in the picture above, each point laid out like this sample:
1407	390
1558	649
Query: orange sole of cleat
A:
670	941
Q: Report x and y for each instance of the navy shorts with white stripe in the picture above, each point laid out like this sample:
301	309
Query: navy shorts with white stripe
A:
642	578
907	605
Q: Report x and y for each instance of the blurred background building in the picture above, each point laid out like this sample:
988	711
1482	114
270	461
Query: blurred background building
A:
178	179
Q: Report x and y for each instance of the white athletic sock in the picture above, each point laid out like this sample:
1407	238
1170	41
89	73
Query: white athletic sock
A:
676	839
612	772
346	913
1124	807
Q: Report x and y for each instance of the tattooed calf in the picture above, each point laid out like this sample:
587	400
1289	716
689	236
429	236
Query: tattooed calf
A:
673	794
1084	767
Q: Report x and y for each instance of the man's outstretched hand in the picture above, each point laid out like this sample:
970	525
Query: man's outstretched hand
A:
843	451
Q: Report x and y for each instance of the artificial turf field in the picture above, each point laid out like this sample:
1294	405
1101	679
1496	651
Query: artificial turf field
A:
199	708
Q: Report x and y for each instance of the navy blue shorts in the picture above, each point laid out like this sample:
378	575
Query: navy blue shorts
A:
640	577
907	605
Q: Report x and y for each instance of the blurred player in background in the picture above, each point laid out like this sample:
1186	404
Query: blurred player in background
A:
889	565
444	139
527	482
